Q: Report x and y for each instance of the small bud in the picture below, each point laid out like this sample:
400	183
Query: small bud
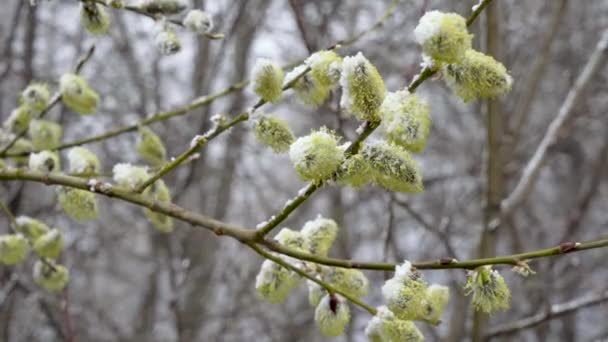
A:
163	7
316	156
477	76
307	88
332	315
167	42
362	88
77	94
129	176
198	21
315	293
437	297
274	133
385	327
274	282
31	228
267	80
566	247
393	167
13	249
50	244
19	120
159	192
51	279
78	204
45	161
94	18
355	172
443	36
406	120
490	292
150	147
83	162
45	134
349	281
320	235
36	96
325	68
405	293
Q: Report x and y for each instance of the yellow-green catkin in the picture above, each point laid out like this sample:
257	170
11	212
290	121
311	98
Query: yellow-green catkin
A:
292	239
437	297
267	80
443	36
44	161
13	249
405	293
129	176
307	88
19	120
45	135
198	21
159	191
363	89
83	162
150	147
385	327
332	315
273	132
489	290
274	282
53	278
316	157
21	146
477	76
315	293
77	94
320	235
406	120
167	42
36	97
78	204
31	228
325	68
50	244
355	172
393	167
348	280
94	18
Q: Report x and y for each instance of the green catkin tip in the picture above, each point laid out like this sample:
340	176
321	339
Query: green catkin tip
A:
437	297
83	162
13	249
78	204
477	76
267	80
77	94
150	147
53	280
406	120
489	290
363	89
50	244
316	156
94	18
31	228
443	36
167	42
349	281
332	315
45	135
274	133
44	161
36	97
355	172
308	89
320	235
19	120
159	192
274	282
405	293
392	167
385	327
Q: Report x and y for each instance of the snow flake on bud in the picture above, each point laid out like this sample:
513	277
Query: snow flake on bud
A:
159	192
94	18
45	134
13	249
443	36
83	162
51	279
274	282
308	89
362	88
78	204
36	96
198	21
50	244
19	120
393	167
489	290
325	68
274	133
315	293
31	228
332	315
163	7
129	176
316	156
406	120
150	147
77	94
167	42
267	80
349	281
405	293
354	172
44	161
437	297
385	327
320	235
477	76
